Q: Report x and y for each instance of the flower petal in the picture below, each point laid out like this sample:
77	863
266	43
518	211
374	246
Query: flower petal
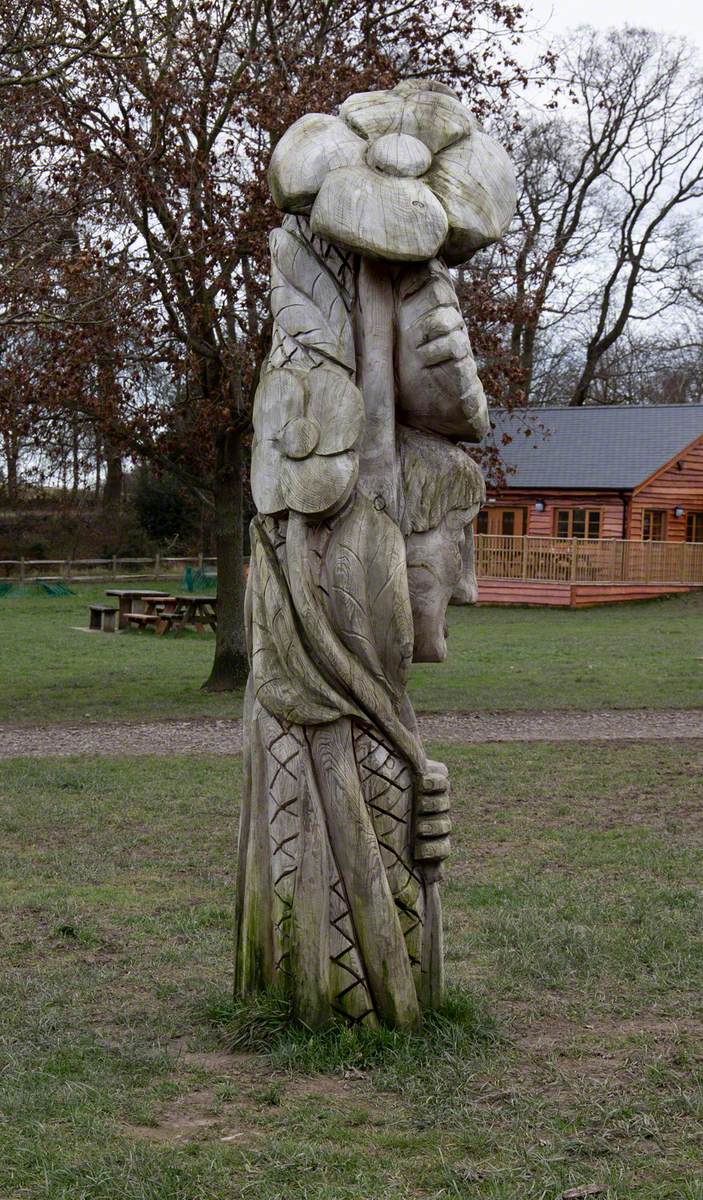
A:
371	114
475	182
265	477
338	407
311	147
399	154
280	398
436	119
316	484
300	437
379	215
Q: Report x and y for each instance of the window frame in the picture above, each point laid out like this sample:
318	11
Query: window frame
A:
693	519
654	512
589	512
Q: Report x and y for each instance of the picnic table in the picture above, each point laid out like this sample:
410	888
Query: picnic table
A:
174	612
196	609
131	601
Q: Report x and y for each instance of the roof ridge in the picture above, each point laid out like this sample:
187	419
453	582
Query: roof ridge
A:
592	408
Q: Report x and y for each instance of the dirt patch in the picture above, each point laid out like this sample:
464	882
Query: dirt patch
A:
219	736
232	1106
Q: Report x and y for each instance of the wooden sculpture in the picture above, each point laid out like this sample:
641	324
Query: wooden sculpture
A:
364	506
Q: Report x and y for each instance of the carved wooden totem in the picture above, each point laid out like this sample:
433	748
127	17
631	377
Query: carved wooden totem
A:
364	507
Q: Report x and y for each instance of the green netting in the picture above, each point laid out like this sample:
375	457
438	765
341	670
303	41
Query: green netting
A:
15	591
197	580
54	589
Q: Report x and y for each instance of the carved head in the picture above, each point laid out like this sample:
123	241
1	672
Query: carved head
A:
404	175
306	425
443	490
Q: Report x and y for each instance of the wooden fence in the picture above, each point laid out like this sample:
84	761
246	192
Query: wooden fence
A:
555	560
101	570
575	560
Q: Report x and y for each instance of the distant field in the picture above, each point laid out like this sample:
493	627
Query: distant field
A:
627	656
570	1057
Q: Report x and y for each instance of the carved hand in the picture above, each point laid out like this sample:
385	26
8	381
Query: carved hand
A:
438	386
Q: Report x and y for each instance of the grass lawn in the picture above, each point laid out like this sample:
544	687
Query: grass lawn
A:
574	920
627	656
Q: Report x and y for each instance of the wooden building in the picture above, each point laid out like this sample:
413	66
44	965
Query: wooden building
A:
596	476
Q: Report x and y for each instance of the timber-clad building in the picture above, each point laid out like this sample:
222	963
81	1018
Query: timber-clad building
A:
595	475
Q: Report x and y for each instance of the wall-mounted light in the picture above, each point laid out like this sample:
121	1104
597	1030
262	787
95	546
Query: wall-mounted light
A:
679	511
539	505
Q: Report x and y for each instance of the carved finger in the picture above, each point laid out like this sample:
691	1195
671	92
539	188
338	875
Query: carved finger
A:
451	347
443	320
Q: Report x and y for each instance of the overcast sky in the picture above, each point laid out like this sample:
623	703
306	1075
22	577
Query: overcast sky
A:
684	17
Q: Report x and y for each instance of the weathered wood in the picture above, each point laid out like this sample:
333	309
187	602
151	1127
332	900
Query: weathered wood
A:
357	854
380	215
438	384
309	150
359	545
375	345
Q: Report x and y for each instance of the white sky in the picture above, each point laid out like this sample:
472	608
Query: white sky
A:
682	17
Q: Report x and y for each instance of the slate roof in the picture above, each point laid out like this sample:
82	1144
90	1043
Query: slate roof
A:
594	447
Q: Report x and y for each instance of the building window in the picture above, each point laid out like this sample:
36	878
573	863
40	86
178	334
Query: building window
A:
653	525
694	527
578	522
502	522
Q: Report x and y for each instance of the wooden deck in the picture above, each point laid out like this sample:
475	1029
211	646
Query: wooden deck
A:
568	595
575	573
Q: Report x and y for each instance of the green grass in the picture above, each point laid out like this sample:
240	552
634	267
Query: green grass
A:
646	655
624	656
570	1053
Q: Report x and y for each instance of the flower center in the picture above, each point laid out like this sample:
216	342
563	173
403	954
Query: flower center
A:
399	154
300	437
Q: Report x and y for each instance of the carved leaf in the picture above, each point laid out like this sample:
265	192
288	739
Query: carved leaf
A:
307	302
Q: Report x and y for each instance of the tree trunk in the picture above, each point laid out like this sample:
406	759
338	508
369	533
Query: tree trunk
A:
231	667
112	491
11	464
98	468
585	380
75	459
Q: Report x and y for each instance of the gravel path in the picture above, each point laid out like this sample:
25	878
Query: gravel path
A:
211	736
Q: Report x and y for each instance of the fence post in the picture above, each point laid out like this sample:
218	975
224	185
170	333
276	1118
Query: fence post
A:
574	558
157	565
114	566
524	557
67	570
200	561
22	570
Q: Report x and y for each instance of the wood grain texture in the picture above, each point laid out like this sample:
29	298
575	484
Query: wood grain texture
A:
355	847
380	215
379	476
306	302
313	146
438	384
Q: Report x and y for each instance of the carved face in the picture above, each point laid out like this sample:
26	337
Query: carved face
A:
435	568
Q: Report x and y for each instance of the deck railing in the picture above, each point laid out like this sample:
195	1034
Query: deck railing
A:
576	560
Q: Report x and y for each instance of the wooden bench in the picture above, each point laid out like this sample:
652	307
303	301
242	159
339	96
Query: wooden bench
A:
103	617
161	622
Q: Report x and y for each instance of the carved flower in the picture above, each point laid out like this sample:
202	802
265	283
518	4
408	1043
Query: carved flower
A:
403	175
306	425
